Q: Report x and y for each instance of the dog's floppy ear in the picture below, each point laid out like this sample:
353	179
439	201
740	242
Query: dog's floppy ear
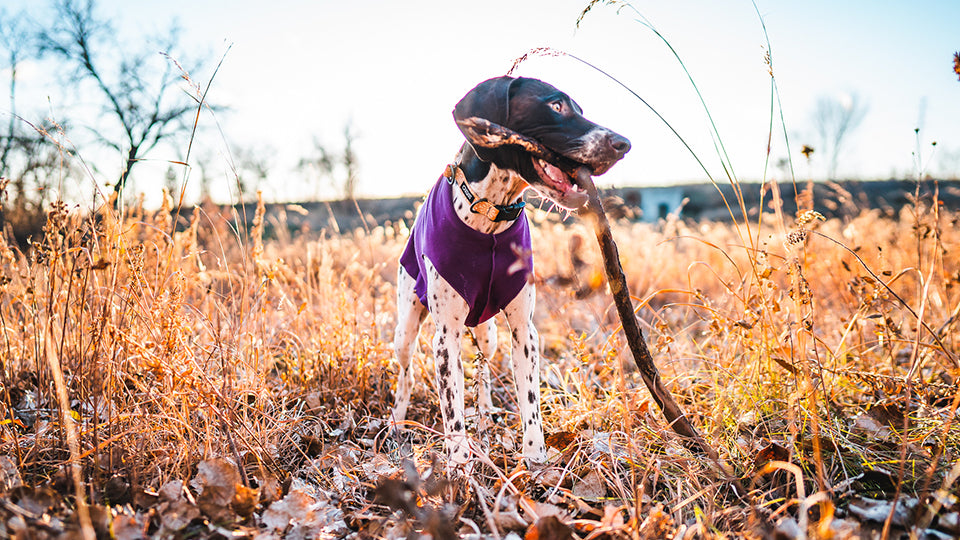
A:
489	100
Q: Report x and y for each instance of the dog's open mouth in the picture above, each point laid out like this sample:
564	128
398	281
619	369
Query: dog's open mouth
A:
560	187
555	183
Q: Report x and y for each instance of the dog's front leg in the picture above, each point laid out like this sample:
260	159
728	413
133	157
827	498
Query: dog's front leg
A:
449	311
525	358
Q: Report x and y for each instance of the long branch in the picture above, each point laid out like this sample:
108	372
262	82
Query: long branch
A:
621	297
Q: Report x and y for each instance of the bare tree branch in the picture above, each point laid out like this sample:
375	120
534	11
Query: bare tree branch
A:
14	39
143	100
329	164
835	119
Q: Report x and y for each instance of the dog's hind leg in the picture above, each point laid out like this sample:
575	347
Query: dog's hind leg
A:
526	372
410	314
486	334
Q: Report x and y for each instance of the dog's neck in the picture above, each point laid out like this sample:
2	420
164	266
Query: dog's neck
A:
487	181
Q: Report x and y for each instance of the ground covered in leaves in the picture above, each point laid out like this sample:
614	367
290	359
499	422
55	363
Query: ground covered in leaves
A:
212	383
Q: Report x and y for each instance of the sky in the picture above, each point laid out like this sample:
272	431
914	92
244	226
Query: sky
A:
299	71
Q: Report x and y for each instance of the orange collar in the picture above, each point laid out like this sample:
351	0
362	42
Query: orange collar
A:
493	212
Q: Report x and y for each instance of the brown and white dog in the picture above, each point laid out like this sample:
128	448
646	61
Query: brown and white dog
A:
468	256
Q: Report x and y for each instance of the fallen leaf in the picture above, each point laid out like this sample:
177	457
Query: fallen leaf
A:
176	515
870	427
314	402
875	482
245	501
507	515
561	439
786	528
280	513
548	477
100	518
612	517
397	495
590	487
535	510
129	526
771	452
116	490
171	491
9	474
877	511
270	489
312	446
658	524
888	413
438	523
950	522
36	500
548	528
299	515
217	481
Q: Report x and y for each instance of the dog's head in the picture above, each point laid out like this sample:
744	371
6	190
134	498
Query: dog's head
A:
530	127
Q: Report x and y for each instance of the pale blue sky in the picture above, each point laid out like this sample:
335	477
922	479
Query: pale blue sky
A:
301	69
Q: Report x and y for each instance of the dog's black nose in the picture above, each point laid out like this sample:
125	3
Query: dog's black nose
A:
619	144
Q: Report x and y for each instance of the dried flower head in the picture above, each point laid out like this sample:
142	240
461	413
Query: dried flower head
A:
538	51
798	236
808	217
956	64
806	151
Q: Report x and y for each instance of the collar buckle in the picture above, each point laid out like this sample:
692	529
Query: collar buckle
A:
486	208
493	212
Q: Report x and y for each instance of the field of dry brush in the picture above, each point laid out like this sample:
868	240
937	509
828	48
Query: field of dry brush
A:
220	381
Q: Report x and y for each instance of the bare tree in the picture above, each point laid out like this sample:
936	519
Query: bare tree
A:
350	163
14	37
835	119
341	167
30	160
320	165
251	167
144	101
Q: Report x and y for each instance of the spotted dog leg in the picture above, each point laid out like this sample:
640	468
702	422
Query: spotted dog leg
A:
449	311
410	314
526	372
486	334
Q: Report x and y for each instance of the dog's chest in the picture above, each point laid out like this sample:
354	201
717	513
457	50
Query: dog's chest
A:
486	270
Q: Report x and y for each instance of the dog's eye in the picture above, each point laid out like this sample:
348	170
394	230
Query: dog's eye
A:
557	106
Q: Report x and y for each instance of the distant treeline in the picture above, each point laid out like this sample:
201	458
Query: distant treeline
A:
698	202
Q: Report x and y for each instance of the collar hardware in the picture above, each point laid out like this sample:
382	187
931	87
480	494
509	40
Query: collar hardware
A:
493	212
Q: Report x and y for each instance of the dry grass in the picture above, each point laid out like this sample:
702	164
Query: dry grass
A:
809	372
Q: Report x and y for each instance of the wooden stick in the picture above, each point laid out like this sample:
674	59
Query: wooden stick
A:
621	297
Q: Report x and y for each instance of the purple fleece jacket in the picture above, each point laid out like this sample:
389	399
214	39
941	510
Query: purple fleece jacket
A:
475	264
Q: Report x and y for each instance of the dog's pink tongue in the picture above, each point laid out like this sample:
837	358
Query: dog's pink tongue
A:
554	174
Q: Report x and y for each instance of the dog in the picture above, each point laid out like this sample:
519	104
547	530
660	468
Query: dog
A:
468	256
